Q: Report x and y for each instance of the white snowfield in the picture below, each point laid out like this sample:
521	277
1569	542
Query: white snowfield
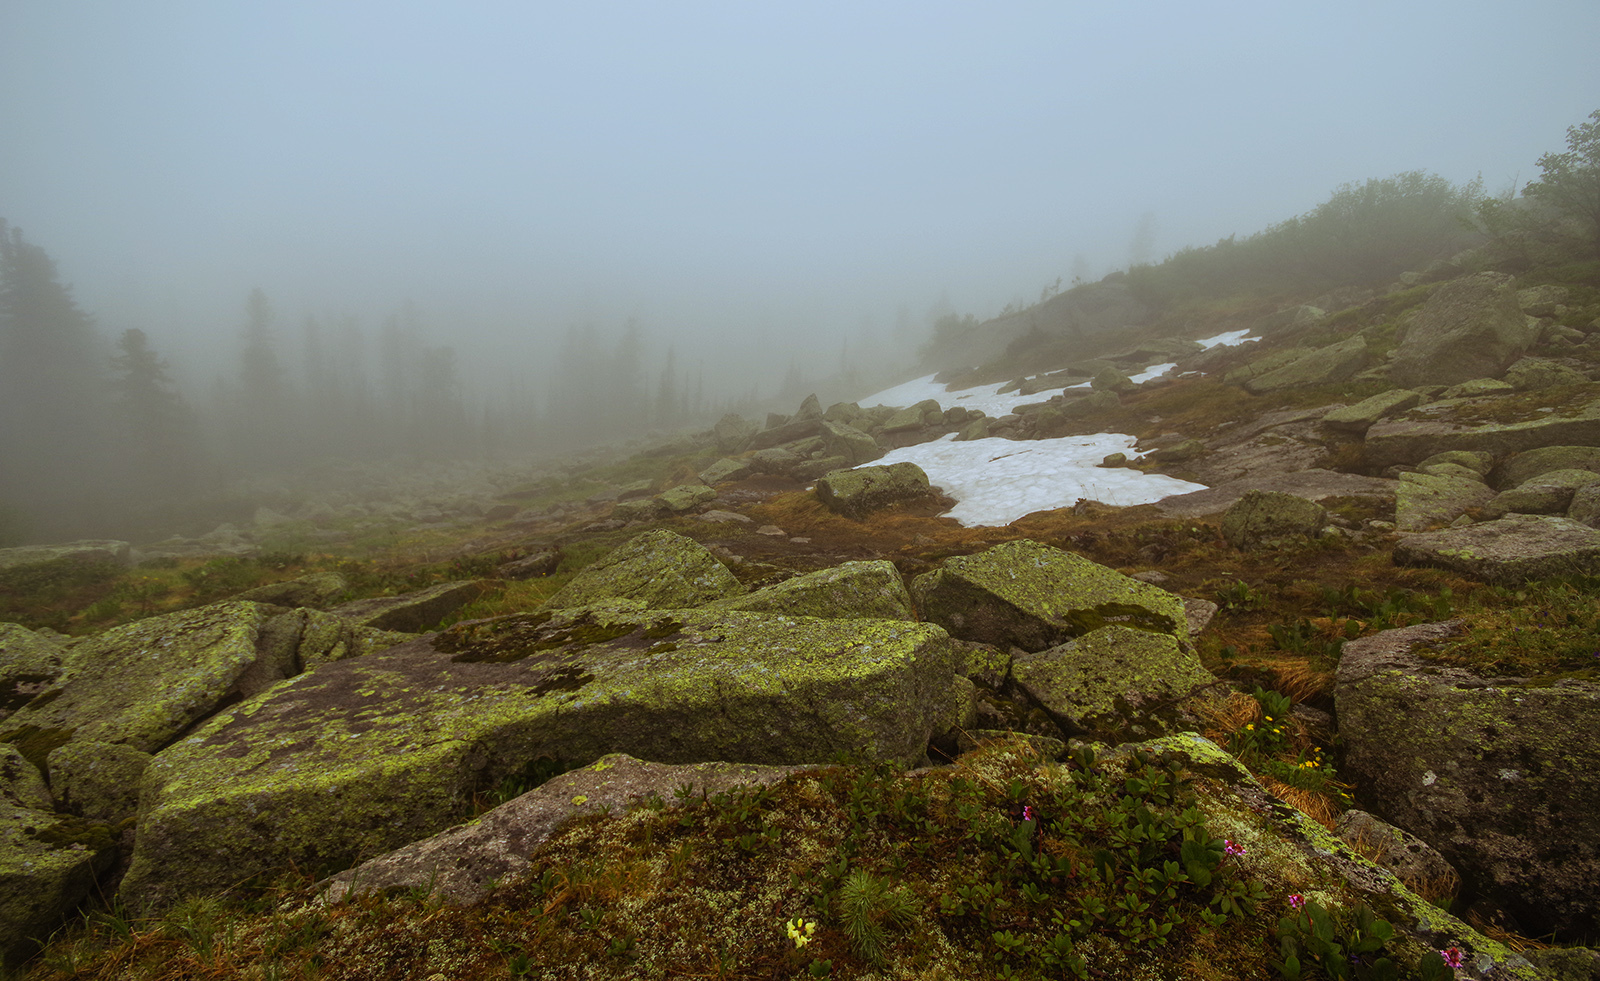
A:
996	481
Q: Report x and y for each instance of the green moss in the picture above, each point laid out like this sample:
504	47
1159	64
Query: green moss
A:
68	831
36	742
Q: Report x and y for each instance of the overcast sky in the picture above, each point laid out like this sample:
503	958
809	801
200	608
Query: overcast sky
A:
705	167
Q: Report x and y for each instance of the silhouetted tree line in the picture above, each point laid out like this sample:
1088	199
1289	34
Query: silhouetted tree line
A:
96	438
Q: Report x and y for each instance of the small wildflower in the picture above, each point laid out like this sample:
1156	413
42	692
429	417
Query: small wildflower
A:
1230	848
800	931
1296	901
1251	727
1452	956
1027	812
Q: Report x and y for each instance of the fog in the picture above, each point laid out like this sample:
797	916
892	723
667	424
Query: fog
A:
753	185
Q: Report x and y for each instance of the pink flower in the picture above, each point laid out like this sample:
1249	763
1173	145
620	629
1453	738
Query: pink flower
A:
1027	812
1452	956
1230	848
1296	901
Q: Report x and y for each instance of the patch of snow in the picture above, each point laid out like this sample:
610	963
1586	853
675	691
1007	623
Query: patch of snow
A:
998	480
985	398
1231	338
1153	372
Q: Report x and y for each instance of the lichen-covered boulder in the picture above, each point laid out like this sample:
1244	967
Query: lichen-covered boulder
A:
1359	418
661	569
145	682
99	781
1291	853
854	493
1262	518
1323	366
48	864
1427	500
1460	427
1549	493
1496	773
725	469
1413	861
299	640
21	782
1476	461
364	755
1032	596
1514	549
870	590
1115	683
1536	374
733	432
686	497
28	663
924	413
417	611
1525	466
857	447
462	863
314	591
1469	328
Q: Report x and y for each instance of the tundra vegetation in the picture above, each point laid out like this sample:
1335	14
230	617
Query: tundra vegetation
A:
1033	847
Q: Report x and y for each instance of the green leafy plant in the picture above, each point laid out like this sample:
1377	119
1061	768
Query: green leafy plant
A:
1338	945
868	905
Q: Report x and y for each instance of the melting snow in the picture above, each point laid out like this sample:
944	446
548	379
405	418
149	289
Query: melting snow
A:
1231	338
998	480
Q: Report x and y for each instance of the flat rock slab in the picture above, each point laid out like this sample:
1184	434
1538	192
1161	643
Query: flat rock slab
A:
462	864
1032	596
144	683
1313	485
1417	436
360	756
1512	550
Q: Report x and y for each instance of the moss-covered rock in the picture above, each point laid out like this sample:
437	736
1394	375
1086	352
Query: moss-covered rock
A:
1498	774
144	683
1525	466
686	497
855	493
1477	461
1264	518
462	863
857	447
662	569
1115	683
1323	366
420	610
733	432
99	781
28	662
1469	328
1514	549
45	872
307	638
1548	493
1534	374
21	783
364	755
315	591
1291	853
1427	500
1359	417
1032	596
851	590
725	469
1407	440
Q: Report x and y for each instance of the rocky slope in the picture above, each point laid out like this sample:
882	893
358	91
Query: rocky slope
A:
757	604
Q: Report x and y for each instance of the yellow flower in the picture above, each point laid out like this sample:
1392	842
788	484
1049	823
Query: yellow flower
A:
580	799
1251	727
800	931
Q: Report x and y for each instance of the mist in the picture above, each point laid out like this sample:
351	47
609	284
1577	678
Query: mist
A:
776	197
